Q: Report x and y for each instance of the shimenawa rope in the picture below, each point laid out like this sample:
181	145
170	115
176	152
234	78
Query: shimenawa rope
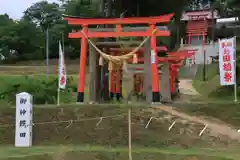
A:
118	59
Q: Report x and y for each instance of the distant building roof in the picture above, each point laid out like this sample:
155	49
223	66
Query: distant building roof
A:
228	20
200	14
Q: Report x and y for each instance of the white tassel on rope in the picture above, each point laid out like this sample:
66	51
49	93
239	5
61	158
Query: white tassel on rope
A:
124	66
101	118
100	62
200	134
69	124
110	65
169	129
149	122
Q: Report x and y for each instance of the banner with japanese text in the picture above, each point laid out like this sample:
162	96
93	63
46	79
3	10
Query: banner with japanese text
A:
62	75
227	54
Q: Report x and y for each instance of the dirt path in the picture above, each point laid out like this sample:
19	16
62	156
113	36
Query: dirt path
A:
186	87
216	129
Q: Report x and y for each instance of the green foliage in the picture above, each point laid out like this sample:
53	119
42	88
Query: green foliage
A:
226	92
5	20
212	83
43	14
78	8
25	39
43	91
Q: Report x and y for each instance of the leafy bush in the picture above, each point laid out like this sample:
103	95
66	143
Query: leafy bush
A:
43	91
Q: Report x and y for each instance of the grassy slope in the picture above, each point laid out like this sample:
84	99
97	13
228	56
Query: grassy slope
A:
211	89
218	100
155	141
205	88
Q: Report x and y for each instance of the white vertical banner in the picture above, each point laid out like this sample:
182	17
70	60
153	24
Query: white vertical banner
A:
62	75
23	130
227	54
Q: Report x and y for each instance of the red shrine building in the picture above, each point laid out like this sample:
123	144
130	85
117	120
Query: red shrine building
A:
197	24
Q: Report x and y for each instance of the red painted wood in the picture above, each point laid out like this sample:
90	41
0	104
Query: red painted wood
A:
141	50
138	20
197	34
118	34
196	28
183	52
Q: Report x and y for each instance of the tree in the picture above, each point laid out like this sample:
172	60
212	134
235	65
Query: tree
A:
24	38
151	7
43	14
78	8
234	7
5	20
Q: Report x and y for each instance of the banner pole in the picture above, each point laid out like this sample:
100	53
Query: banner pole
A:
58	97
235	74
235	91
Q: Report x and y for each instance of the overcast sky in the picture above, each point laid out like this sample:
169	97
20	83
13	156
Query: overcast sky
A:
15	8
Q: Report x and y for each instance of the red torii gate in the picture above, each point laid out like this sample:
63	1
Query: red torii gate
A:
175	59
118	22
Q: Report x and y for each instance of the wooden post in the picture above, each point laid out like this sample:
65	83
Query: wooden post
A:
130	133
112	80
165	83
98	79
92	74
127	84
118	82
172	79
105	80
147	73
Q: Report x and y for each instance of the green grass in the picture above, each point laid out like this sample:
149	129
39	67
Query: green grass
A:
211	72
7	81
10	152
212	82
211	90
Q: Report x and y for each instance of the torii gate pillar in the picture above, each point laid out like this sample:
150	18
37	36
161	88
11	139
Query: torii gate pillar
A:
154	66
82	69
